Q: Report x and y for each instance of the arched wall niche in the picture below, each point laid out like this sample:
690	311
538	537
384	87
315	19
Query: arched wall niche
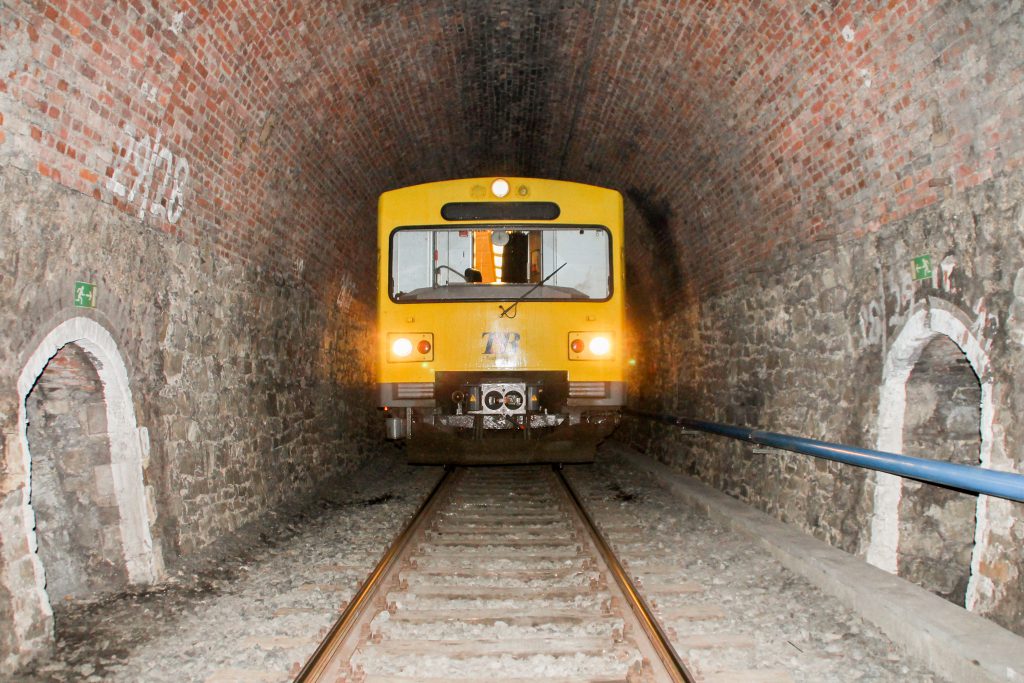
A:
930	319
129	454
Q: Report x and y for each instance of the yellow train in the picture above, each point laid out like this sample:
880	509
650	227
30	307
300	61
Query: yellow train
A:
501	313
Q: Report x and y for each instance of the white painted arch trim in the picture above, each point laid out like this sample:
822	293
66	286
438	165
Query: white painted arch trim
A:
143	563
932	318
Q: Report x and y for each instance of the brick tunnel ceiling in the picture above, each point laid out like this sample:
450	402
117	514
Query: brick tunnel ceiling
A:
738	132
613	94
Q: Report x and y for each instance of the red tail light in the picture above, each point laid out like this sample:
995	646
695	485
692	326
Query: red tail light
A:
423	346
576	346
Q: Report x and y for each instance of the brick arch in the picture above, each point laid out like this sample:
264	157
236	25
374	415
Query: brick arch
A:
932	319
128	446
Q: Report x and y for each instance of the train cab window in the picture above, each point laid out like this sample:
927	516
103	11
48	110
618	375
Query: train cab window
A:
500	262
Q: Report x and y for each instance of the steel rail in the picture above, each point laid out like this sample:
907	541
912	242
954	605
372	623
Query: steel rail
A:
322	657
963	477
671	660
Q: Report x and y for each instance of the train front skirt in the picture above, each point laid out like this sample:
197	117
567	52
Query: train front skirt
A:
565	443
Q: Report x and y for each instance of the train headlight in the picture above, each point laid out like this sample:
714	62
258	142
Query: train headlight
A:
591	346
500	188
401	347
600	346
410	346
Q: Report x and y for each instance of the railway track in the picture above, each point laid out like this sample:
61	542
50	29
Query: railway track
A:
501	576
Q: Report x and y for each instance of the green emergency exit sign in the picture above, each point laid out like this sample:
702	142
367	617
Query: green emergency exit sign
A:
85	295
922	266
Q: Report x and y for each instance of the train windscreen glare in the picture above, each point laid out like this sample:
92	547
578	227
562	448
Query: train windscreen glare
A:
503	262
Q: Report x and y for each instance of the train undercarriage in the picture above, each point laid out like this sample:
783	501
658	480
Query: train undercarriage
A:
476	418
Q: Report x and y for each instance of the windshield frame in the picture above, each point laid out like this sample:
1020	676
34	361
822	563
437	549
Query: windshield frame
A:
515	290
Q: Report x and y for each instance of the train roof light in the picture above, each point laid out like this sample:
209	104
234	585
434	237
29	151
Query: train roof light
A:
500	188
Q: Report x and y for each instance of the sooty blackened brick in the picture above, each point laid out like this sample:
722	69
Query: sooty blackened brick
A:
657	222
511	78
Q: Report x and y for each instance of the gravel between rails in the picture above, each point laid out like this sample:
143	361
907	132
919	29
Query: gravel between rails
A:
548	618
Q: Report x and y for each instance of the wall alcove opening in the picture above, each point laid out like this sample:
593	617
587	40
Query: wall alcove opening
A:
942	422
77	518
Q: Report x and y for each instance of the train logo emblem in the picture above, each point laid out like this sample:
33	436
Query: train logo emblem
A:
501	343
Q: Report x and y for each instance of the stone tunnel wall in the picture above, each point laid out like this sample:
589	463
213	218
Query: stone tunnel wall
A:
169	157
799	348
893	135
253	389
228	267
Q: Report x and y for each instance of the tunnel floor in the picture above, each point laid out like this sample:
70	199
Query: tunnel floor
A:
259	612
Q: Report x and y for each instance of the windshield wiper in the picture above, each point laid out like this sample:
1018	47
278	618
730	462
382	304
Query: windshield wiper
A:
437	271
505	311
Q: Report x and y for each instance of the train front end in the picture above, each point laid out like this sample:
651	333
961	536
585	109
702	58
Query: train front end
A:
500	320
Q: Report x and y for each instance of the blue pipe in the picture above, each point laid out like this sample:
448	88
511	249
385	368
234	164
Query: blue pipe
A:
964	477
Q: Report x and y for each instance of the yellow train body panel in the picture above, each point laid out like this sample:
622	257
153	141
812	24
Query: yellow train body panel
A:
510	331
462	333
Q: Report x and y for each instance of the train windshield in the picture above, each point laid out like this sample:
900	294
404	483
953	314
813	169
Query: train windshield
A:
500	262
